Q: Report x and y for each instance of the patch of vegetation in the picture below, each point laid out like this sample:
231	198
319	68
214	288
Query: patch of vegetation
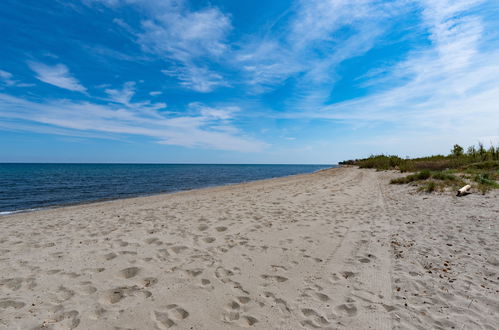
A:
484	179
487	165
423	175
477	165
429	187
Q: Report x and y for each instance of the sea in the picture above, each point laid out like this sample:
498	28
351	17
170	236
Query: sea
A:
27	187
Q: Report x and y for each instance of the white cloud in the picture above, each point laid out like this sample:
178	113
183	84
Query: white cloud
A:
186	37
455	37
448	90
6	78
313	42
182	35
57	75
197	78
219	113
124	95
199	129
155	93
190	39
4	75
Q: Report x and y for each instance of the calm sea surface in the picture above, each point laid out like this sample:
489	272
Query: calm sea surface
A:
32	186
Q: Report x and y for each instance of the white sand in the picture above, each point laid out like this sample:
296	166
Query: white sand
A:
336	249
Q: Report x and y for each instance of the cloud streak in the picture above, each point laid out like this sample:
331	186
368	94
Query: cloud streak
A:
200	79
7	79
56	75
188	40
311	43
200	129
443	90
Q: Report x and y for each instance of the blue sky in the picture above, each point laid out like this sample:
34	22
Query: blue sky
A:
245	81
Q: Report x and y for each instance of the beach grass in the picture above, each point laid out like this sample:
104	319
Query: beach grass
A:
477	166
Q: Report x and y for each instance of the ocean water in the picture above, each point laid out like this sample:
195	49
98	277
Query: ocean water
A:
32	186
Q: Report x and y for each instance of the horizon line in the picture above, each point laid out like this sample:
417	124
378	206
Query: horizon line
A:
132	163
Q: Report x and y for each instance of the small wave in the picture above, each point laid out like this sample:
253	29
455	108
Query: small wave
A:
17	211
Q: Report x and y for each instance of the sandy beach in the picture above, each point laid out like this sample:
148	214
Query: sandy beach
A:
337	249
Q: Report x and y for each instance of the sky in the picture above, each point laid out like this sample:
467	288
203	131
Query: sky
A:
234	81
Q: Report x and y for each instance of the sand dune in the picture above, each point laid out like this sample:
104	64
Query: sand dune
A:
331	250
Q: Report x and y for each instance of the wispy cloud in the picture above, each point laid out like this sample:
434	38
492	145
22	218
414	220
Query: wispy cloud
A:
124	97
197	78
311	44
178	33
187	39
223	114
7	79
444	90
57	75
198	129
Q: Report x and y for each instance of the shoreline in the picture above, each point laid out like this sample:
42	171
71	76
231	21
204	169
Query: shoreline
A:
335	249
110	199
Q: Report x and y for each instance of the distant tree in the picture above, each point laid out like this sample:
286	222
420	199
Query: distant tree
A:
472	151
457	150
482	151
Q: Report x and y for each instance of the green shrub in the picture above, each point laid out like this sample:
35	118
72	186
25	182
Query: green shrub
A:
457	159
484	179
478	163
423	175
488	165
430	187
443	176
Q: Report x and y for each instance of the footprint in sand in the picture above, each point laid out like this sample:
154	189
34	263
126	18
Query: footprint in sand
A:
170	317
153	240
63	294
314	319
347	309
366	259
15	284
243	300
149	281
242	320
347	274
209	239
321	296
233	305
203	227
115	295
87	289
64	320
129	272
8	303
273	278
178	249
281	303
205	282
110	256
162	254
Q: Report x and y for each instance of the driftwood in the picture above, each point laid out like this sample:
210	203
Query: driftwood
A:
464	190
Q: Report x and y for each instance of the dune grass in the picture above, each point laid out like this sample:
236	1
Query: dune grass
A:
478	166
